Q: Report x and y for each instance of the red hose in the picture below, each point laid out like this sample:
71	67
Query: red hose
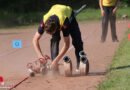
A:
14	86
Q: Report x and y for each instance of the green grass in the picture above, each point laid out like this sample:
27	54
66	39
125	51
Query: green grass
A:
89	14
95	14
122	11
118	76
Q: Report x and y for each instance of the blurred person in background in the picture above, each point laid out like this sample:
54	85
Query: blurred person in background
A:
108	11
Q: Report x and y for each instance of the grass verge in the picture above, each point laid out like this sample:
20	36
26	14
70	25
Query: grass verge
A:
118	76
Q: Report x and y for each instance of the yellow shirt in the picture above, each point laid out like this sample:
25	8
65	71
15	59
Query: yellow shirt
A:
109	2
61	11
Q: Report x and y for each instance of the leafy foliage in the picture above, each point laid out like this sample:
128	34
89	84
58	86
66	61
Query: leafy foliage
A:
42	5
26	6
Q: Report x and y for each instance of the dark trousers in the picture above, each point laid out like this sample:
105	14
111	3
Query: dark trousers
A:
105	19
76	41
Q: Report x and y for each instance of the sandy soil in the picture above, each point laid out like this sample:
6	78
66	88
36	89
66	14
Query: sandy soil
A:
13	61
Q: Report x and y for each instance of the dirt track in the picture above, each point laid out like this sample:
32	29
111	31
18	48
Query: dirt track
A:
13	61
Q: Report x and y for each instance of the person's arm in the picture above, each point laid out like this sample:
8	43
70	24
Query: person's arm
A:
62	52
36	45
116	7
36	39
65	31
101	8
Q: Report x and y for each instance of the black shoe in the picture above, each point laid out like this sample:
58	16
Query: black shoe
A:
116	40
102	41
78	64
77	68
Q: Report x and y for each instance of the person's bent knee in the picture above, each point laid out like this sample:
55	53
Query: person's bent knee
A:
55	39
78	45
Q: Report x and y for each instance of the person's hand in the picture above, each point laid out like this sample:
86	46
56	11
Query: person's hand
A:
43	59
54	65
114	11
102	12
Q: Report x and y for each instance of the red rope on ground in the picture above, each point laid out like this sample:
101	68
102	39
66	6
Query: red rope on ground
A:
14	86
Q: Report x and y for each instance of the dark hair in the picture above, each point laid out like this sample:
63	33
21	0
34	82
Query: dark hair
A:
50	25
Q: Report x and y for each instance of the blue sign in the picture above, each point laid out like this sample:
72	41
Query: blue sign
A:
17	44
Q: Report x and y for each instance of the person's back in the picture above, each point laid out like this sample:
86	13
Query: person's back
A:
61	11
